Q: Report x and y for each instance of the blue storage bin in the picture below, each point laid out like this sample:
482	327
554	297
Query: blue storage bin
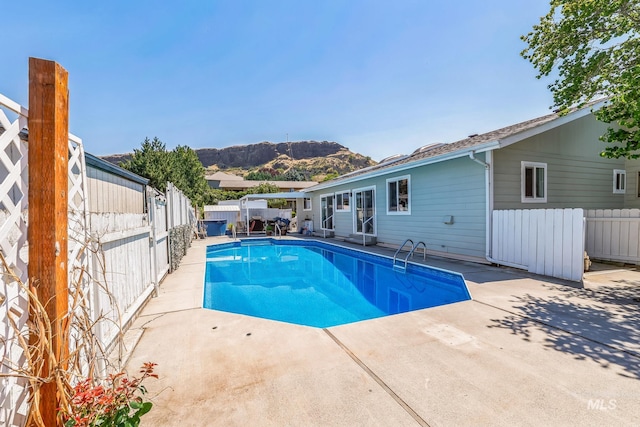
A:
215	227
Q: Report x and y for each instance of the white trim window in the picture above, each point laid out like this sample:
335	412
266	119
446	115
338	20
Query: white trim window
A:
533	182
343	202
306	204
619	181
399	195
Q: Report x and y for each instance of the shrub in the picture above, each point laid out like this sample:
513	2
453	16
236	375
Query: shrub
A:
116	403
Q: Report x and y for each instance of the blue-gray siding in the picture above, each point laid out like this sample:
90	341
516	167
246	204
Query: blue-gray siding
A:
454	187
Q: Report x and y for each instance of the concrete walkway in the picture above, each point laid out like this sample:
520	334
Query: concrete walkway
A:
527	350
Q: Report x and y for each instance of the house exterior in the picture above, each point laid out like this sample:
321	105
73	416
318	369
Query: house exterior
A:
230	182
114	189
445	194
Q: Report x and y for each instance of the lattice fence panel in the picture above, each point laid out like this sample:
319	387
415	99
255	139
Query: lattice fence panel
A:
13	243
79	246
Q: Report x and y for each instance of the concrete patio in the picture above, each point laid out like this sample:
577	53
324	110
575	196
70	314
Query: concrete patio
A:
527	350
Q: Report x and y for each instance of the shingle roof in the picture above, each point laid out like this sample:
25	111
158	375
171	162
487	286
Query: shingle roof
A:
221	176
463	145
240	185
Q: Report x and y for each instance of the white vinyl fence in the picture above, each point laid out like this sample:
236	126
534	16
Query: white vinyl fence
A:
614	234
121	269
180	211
542	241
129	256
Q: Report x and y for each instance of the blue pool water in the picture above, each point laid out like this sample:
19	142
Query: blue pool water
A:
317	284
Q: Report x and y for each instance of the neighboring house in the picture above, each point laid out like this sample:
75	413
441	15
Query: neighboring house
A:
219	180
224	181
114	189
445	194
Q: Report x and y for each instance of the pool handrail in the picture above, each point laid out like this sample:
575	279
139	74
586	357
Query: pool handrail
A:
413	249
395	256
364	236
410	253
324	225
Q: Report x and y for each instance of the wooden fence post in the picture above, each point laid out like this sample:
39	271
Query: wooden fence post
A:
48	207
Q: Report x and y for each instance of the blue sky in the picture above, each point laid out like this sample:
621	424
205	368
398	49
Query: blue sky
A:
380	77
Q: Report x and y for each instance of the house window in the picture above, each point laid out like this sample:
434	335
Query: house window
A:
307	204
398	195
534	182
619	181
342	202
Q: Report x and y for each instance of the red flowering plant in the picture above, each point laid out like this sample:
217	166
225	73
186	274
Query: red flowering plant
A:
116	403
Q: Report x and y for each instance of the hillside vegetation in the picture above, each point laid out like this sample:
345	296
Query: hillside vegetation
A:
313	169
311	160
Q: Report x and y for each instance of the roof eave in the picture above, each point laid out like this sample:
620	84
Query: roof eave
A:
291	195
512	139
480	148
106	166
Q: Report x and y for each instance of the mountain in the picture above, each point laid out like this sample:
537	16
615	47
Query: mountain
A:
313	158
252	155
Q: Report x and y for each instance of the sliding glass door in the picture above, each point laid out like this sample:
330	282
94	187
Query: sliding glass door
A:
326	208
364	221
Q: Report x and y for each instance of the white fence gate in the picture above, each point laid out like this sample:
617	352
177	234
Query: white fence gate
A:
614	234
542	241
157	203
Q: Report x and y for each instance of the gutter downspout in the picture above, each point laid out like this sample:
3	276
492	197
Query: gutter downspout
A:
472	156
489	213
488	172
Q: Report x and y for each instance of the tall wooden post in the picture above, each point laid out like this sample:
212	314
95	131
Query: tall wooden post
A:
48	205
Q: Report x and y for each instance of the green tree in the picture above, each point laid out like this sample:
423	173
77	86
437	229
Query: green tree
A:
180	166
187	173
258	176
266	188
329	176
214	195
263	174
594	47
152	162
294	175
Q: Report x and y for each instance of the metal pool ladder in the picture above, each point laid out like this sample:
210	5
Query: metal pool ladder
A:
403	267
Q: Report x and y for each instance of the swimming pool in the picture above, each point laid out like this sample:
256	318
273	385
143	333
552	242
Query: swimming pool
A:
318	284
